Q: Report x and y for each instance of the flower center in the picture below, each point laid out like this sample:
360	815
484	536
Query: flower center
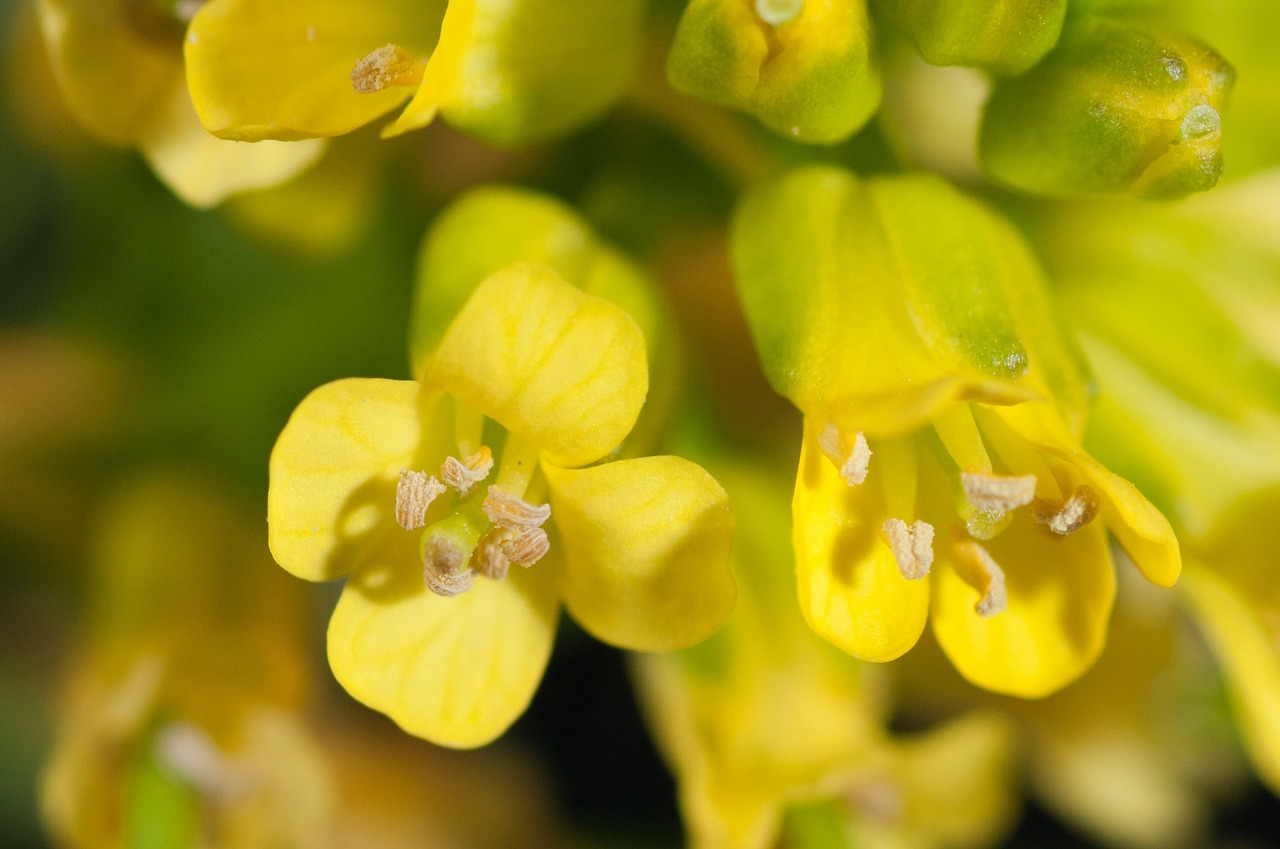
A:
485	530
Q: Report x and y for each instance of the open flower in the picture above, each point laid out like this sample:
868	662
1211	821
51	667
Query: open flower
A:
941	474
507	72
120	66
465	507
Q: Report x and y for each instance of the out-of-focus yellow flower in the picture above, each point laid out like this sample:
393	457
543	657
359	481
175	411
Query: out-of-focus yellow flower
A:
764	717
435	627
508	72
120	66
180	725
943	413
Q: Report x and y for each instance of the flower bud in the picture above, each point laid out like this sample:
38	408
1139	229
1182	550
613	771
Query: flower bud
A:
1004	38
1113	108
805	69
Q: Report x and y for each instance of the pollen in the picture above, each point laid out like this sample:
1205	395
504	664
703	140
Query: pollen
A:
526	547
1078	511
444	571
414	494
489	559
912	546
463	475
853	460
513	513
997	493
981	571
390	65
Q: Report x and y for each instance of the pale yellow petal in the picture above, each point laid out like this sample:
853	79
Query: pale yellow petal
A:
456	671
546	361
644	550
333	474
203	170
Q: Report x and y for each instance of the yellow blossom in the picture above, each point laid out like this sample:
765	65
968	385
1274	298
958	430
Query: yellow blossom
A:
465	506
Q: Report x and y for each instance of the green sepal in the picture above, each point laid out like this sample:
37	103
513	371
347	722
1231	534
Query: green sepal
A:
875	302
814	79
534	70
1115	107
997	36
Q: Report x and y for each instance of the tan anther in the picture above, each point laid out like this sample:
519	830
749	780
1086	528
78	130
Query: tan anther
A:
997	493
463	475
488	559
912	546
414	494
444	571
526	547
189	751
387	66
508	511
980	570
853	461
1078	511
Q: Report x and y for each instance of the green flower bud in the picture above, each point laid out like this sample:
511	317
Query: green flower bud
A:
1114	108
1004	38
803	67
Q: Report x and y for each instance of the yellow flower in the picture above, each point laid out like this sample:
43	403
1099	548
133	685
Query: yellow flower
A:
181	715
442	628
765	716
507	72
120	66
941	474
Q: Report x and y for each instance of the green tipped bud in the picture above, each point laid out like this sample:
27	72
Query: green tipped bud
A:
1114	108
1004	38
803	67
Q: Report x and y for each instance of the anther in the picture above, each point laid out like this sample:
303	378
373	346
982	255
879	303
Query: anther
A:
912	546
853	461
1078	511
513	513
980	570
463	475
190	752
526	547
997	493
387	66
444	571
489	559
414	494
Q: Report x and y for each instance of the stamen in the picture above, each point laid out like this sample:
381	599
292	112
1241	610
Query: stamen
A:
489	559
387	66
527	547
463	475
853	461
414	494
1079	510
444	571
980	570
516	514
779	12
912	546
997	493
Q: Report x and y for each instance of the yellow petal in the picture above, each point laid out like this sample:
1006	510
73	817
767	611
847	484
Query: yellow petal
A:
545	360
851	590
442	70
281	69
202	169
1246	650
334	471
1059	589
644	550
116	79
455	671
